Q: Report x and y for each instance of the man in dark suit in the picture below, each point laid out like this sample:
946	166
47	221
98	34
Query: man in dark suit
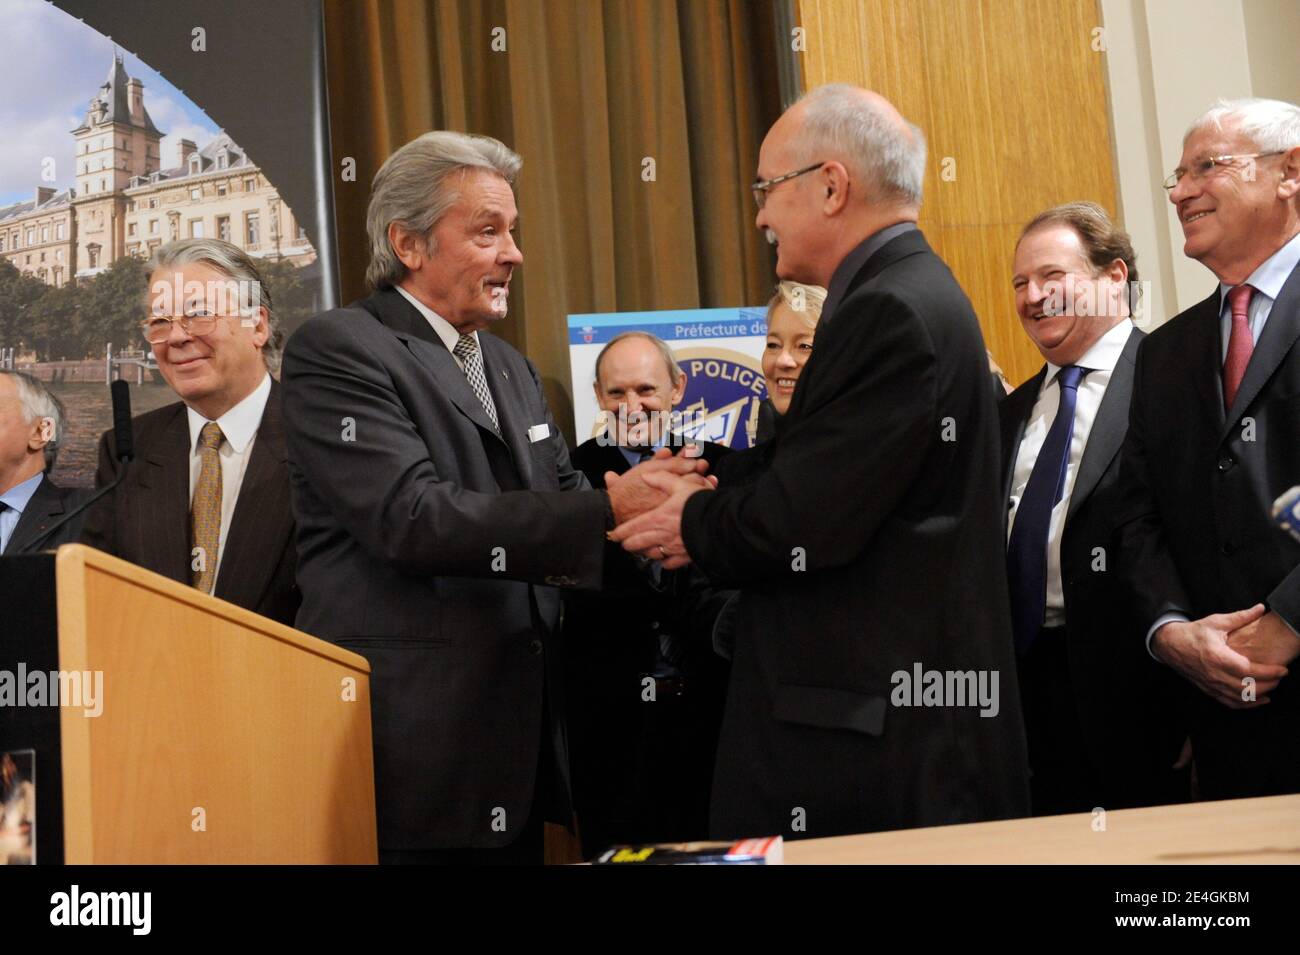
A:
31	427
1100	715
644	687
1212	442
438	512
869	552
206	501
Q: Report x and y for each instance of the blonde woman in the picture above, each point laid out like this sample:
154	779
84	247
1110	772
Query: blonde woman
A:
792	316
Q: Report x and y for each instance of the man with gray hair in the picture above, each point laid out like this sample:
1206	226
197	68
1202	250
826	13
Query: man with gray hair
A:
869	549
207	499
438	510
1212	443
31	427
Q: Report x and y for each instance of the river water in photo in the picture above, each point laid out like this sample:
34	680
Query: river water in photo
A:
90	413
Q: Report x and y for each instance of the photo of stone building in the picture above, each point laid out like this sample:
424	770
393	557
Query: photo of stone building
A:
129	199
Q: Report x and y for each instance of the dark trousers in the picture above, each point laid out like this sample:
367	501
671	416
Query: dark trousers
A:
529	847
1061	778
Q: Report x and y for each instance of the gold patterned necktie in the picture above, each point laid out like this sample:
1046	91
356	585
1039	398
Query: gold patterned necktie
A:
205	511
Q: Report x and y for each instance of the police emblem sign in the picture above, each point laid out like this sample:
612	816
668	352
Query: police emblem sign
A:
719	349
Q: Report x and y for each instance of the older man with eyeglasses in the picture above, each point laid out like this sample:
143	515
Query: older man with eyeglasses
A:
207	502
1213	441
868	547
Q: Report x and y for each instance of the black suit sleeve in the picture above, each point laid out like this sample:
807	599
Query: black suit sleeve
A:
872	411
1146	568
100	527
348	429
1285	599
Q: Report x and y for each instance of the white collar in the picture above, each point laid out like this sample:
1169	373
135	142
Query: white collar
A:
444	329
1103	355
240	423
1272	272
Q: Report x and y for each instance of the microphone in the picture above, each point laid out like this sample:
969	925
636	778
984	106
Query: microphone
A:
124	443
1286	511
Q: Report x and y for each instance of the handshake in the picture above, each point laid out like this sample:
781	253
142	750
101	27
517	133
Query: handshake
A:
648	500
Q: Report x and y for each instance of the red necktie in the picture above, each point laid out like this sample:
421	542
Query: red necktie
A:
1240	343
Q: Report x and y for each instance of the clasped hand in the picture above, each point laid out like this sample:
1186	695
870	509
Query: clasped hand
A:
648	502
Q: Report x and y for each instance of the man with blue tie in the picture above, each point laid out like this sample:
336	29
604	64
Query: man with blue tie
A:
31	426
1097	710
1212	443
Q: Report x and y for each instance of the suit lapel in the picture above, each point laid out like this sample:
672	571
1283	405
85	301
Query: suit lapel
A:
1108	428
1014	413
44	508
1280	333
263	517
511	401
410	326
164	479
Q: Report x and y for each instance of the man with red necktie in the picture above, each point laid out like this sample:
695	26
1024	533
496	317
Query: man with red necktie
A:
1214	438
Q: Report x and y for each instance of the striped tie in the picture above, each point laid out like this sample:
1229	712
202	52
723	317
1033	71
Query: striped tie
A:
467	351
205	512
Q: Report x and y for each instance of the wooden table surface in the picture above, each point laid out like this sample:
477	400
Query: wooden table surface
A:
1265	830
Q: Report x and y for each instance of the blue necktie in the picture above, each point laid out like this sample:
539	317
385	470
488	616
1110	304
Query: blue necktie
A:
1027	549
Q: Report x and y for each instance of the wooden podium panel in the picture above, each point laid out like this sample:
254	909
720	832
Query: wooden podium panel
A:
224	737
1233	831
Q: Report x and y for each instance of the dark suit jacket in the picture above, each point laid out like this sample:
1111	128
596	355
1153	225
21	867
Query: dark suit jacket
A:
871	543
641	771
1198	537
422	537
146	520
48	504
1126	702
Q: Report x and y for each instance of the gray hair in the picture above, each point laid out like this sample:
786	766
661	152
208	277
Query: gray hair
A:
1272	124
232	261
413	189
858	133
39	402
666	353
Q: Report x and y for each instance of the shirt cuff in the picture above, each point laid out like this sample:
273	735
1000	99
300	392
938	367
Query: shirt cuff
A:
1167	618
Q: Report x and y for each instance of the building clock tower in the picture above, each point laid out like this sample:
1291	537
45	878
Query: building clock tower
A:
115	142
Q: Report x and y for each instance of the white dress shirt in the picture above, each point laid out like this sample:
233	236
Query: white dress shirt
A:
1100	359
444	329
1267	280
239	425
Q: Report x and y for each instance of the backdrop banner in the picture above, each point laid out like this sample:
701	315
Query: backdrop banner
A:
719	349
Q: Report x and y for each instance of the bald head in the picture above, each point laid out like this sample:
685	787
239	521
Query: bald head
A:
862	130
860	165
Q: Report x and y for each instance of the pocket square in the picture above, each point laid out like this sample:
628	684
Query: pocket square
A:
539	432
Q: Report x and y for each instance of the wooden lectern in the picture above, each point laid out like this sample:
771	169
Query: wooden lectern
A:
222	736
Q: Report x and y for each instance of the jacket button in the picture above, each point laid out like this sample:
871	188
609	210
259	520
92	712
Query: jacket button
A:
1226	462
535	646
1228	548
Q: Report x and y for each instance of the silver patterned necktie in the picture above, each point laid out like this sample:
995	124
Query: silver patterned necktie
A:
467	351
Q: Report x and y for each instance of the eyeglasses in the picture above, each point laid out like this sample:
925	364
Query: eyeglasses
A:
158	328
761	186
1202	167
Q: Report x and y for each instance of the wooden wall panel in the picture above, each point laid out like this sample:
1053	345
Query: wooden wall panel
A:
1011	96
